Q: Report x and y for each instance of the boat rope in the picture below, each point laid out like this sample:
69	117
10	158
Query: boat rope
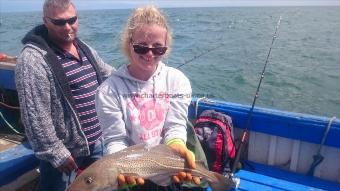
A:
8	124
9	106
318	158
245	132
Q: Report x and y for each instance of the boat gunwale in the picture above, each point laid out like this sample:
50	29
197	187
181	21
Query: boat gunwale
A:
311	128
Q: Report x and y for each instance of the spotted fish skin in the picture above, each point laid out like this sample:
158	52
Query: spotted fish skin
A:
157	164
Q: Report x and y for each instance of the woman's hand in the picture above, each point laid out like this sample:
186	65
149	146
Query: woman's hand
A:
129	181
183	151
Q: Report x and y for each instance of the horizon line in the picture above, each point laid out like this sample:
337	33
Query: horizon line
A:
171	7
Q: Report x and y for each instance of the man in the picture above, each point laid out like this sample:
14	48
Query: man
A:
56	77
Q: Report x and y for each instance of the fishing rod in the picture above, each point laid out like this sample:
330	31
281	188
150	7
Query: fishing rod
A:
250	114
199	55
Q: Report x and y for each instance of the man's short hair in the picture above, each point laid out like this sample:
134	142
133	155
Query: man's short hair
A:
56	4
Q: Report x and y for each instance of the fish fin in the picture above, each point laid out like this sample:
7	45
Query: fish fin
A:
223	183
160	179
200	166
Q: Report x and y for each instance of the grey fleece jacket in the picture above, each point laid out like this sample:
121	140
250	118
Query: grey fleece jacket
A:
133	111
47	107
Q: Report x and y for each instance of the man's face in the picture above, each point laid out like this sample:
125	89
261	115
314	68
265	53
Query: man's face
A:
62	25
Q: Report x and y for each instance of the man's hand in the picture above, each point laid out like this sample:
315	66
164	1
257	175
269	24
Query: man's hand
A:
189	157
68	166
127	181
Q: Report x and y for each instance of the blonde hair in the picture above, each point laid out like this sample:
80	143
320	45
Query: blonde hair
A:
144	16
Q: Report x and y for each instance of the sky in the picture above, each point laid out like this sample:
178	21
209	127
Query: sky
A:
36	5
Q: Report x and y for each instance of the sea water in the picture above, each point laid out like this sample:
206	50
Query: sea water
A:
229	46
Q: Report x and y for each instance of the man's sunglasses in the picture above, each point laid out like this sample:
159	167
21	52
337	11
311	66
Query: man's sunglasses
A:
140	49
62	22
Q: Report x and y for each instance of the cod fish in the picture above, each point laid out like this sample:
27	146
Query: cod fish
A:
157	164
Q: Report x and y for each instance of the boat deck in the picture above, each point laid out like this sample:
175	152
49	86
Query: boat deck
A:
6	144
269	178
17	165
254	181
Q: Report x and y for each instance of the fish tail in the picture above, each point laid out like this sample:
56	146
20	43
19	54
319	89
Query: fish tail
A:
222	184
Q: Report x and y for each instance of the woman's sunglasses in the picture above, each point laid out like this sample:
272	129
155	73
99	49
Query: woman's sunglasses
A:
140	49
62	22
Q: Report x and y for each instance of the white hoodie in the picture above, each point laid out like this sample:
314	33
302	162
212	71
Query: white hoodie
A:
133	111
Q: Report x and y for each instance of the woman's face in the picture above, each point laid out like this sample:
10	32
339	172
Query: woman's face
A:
144	62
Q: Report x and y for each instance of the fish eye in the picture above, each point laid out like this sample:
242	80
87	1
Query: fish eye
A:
88	180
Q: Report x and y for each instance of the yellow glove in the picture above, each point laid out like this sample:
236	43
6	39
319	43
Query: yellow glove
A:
179	146
129	181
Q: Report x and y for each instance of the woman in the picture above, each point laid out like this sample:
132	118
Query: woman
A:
146	101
